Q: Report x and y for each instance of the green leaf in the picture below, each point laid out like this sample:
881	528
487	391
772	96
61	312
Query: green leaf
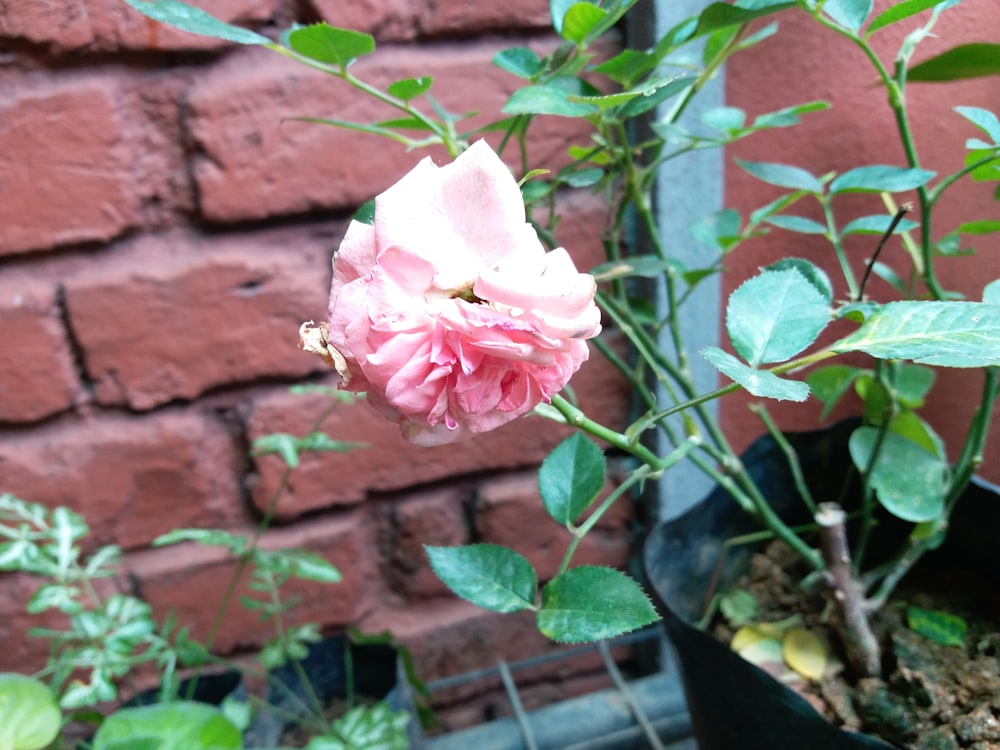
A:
849	13
739	607
651	90
627	66
590	602
909	481
580	20
910	426
644	266
948	334
899	12
788	116
725	119
911	384
285	445
321	442
986	226
775	315
760	383
582	177
876	224
366	215
717	230
519	61
31	717
488	575
720	15
782	175
991	293
880	178
889	276
235	543
196	21
376	727
812	273
794	223
300	563
940	627
182	725
333	46
650	98
830	383
558	9
571	477
55	596
546	100
964	61
982	119
409	88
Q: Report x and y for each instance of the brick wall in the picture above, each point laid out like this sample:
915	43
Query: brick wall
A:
165	230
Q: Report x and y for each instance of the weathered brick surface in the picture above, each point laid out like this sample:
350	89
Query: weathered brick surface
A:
398	20
201	313
132	479
65	25
190	581
37	378
64	164
435	517
258	162
509	511
449	636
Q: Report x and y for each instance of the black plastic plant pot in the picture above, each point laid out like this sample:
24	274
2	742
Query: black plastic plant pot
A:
733	703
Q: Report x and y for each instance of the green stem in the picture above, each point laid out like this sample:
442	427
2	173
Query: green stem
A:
449	141
838	248
637	475
790	455
578	419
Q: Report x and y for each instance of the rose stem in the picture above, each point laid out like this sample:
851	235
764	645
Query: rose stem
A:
862	647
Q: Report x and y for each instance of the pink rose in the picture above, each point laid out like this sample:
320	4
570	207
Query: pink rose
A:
448	311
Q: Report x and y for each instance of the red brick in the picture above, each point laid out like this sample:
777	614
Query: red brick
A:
190	580
65	165
398	20
509	511
387	20
257	162
67	25
434	517
458	15
450	636
37	379
132	479
200	313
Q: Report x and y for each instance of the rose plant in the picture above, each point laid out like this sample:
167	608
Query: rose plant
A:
455	311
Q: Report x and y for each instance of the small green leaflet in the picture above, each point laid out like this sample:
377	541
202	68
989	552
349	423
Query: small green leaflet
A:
488	575
590	602
909	481
940	627
760	383
571	477
775	315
